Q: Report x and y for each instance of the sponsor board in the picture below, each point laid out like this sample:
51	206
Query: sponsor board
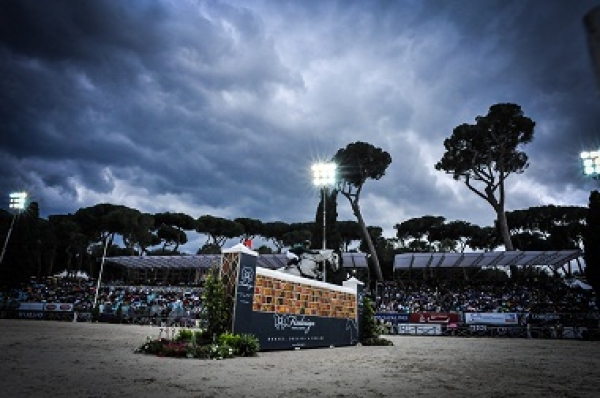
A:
285	331
392	317
434	317
58	307
549	318
420	329
31	306
492	318
285	311
31	315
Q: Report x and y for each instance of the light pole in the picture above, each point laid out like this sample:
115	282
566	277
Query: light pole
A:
100	274
323	176
591	164
17	204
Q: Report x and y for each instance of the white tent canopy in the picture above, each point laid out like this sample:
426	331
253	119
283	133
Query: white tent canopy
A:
553	259
272	261
172	262
72	274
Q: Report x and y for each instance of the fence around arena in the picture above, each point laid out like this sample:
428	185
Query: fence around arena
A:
468	324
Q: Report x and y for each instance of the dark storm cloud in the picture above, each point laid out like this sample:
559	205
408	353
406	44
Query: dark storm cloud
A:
220	107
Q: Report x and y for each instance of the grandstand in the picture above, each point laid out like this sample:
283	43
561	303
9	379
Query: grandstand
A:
192	269
423	265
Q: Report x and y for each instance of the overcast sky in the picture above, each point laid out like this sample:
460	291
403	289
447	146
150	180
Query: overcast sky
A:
220	108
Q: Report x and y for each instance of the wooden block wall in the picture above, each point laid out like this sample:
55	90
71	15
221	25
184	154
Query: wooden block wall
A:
289	297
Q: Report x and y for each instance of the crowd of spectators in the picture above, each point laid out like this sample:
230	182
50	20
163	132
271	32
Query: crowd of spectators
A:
155	303
139	304
549	295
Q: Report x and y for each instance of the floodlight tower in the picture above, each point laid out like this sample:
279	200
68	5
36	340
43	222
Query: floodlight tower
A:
324	175
591	164
17	203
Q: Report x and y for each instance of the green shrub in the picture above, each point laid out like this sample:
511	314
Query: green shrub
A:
244	345
247	346
222	351
376	341
152	347
369	324
119	315
184	335
216	311
96	313
202	352
214	351
175	349
202	337
229	339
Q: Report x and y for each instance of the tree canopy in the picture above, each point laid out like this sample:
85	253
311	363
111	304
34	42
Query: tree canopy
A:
591	241
357	163
483	155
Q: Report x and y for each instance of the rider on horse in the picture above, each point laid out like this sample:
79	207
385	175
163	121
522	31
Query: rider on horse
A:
299	250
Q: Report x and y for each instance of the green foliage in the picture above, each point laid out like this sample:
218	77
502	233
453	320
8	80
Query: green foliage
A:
96	313
252	227
175	349
193	344
247	346
152	347
216	312
227	338
274	232
591	241
119	314
376	341
244	345
547	227
360	161
264	249
370	330
483	155
357	163
202	337
185	335
218	229
210	248
369	323
490	145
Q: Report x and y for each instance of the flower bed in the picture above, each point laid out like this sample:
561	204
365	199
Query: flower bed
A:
196	344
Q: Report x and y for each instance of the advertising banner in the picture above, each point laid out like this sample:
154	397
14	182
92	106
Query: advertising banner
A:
492	318
286	311
31	306
58	307
31	311
538	319
434	317
244	294
420	329
31	314
392	317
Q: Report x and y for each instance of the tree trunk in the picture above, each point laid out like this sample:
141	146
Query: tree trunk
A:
367	237
503	226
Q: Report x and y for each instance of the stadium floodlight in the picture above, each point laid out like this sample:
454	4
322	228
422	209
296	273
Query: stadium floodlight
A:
591	163
324	175
17	202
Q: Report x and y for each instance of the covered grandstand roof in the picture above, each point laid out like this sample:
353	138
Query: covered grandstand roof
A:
196	261
553	259
272	261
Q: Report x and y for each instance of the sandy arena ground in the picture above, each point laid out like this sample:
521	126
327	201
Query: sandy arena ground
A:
65	359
